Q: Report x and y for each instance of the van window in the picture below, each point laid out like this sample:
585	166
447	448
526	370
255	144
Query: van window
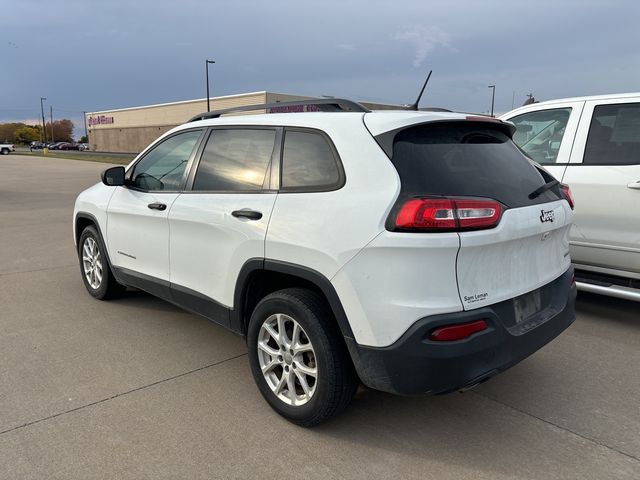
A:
539	134
614	135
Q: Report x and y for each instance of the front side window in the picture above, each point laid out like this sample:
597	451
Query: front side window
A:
614	135
539	134
163	167
235	160
308	162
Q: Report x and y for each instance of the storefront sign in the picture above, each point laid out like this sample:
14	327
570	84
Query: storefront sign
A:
100	120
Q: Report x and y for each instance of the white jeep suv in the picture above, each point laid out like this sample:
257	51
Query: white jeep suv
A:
417	252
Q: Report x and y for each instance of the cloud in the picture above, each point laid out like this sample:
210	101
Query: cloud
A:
346	46
425	39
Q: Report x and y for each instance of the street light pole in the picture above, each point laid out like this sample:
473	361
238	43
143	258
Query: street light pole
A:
493	96
51	113
44	130
206	65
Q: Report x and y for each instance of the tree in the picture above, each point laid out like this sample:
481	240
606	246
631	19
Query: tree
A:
62	130
83	139
27	134
7	131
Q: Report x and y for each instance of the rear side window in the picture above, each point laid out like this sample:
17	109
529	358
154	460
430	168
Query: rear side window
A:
614	135
466	159
309	162
235	160
539	134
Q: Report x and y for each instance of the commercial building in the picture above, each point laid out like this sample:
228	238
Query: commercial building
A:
130	130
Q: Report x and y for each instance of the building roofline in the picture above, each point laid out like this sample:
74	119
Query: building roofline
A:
182	102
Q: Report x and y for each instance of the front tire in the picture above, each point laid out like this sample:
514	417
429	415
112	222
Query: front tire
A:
94	266
5	151
298	359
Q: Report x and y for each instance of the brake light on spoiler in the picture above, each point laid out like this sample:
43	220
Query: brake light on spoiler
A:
448	214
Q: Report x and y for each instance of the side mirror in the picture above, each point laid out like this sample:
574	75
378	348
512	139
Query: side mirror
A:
113	177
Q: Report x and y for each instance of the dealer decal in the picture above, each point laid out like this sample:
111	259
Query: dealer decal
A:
478	297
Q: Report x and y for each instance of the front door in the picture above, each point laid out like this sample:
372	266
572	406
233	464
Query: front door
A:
137	223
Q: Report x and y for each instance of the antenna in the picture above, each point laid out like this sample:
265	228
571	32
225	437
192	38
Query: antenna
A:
415	104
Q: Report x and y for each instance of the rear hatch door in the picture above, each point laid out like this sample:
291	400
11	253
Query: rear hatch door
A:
476	159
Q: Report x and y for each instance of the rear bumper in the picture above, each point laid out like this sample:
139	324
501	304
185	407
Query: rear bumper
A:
415	365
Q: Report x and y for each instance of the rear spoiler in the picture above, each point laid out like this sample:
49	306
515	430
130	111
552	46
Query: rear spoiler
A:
386	139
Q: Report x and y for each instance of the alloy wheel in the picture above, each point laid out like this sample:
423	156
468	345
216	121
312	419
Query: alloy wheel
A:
287	359
92	262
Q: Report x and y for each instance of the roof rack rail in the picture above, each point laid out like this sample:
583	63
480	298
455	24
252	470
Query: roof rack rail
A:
434	109
319	105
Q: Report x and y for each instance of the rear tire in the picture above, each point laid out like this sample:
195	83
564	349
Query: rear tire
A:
292	337
5	151
94	266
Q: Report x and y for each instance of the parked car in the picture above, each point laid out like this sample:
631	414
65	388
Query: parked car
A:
6	148
417	252
83	147
593	145
37	146
69	146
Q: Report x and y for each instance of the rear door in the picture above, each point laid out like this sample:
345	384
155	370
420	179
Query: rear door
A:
221	221
471	162
604	176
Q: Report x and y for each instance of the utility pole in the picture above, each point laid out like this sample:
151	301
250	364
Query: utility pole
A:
51	113
206	64
44	131
84	116
493	96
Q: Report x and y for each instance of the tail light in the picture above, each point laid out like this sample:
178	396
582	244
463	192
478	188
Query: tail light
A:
566	191
459	331
448	214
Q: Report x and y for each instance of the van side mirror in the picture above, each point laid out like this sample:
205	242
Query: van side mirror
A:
113	177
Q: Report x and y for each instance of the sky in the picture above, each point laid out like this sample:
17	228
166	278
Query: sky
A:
90	55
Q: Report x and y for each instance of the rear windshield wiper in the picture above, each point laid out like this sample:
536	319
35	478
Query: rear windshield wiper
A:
538	191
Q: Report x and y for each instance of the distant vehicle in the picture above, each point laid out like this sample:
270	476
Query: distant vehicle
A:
83	147
69	146
54	146
593	145
6	148
37	146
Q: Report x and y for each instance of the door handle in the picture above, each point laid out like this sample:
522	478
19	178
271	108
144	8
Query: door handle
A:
247	213
634	185
157	206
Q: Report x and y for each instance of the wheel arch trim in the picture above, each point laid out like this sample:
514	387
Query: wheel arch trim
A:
77	234
312	276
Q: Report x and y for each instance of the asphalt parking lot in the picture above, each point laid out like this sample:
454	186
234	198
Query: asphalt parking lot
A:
136	388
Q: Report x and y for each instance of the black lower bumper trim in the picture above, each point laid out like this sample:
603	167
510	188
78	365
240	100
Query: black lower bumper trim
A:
414	364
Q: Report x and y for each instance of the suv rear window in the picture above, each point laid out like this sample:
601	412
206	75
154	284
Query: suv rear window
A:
308	162
466	159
